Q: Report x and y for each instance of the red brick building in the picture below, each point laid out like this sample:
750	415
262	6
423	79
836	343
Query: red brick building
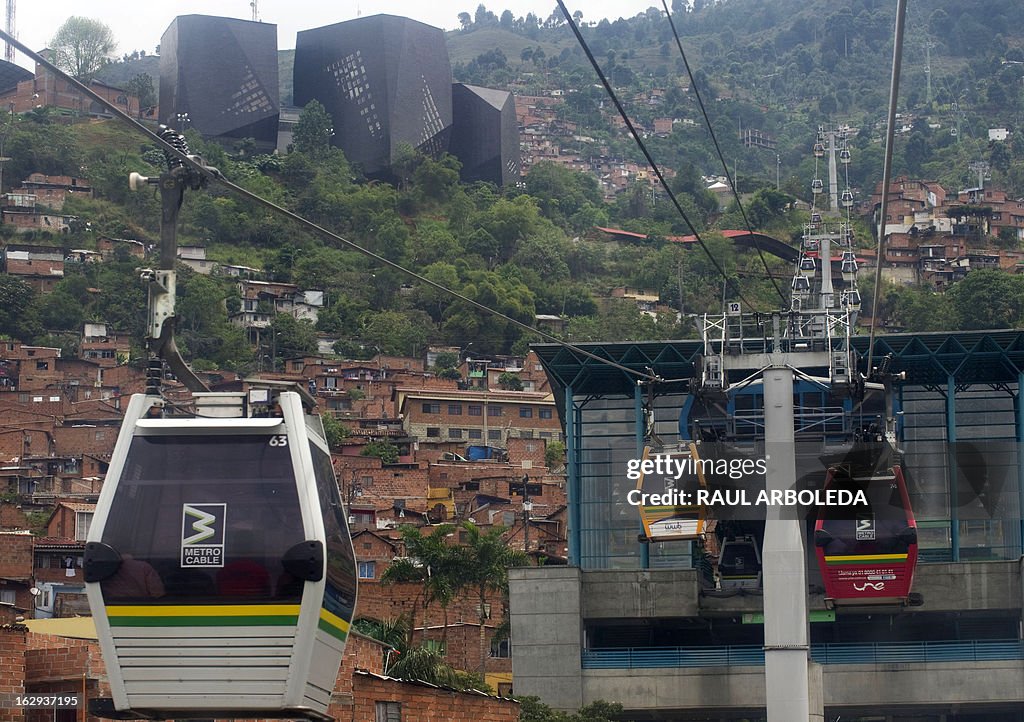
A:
36	663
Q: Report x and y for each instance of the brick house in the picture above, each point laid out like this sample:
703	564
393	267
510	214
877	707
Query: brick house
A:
16	570
476	417
70	520
36	662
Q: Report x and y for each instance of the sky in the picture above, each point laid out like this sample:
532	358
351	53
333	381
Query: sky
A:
138	24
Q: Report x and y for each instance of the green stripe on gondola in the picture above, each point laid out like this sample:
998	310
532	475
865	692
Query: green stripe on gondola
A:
276	620
332	630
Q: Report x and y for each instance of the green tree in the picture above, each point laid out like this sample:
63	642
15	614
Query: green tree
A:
554	454
485	571
988	299
15	299
397	333
141	86
82	46
510	381
383	450
292	337
334	431
314	131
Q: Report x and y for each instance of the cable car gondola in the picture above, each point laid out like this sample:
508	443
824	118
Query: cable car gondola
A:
219	566
739	563
817	186
673	518
867	553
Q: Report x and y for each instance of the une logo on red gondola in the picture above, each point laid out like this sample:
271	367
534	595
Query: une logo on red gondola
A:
202	535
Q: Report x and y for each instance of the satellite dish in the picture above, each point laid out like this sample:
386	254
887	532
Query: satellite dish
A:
34	591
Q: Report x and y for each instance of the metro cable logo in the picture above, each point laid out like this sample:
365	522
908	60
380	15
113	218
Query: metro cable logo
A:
202	535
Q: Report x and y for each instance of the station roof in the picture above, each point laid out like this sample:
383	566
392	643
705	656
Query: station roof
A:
929	359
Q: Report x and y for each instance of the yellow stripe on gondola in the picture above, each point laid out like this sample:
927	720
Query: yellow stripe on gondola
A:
865	558
205	610
333	624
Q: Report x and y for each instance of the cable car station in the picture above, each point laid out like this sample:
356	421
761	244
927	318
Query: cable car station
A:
652	626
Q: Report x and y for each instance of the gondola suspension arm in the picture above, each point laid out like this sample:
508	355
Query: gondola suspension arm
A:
172	183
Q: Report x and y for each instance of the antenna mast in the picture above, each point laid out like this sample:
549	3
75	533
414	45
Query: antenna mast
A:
9	27
255	10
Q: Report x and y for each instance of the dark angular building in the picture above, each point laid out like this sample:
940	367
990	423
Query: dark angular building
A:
485	136
384	80
223	73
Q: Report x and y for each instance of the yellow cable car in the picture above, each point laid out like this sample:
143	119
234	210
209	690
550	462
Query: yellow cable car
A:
668	494
219	566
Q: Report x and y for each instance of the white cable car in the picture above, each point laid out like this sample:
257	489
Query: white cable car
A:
801	285
219	566
807	266
846	199
819	150
844	156
849	266
817	186
852	299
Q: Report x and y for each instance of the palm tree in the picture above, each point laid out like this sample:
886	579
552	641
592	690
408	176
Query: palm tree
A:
432	562
486	559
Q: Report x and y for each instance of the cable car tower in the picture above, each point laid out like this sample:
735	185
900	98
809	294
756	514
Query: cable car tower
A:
797	353
219	567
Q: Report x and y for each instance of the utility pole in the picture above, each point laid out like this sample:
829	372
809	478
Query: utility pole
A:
527	508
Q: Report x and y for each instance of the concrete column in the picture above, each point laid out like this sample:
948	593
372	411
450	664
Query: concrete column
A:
786	633
547	637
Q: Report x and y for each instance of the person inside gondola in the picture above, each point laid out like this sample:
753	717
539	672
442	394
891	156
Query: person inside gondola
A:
134	579
243	576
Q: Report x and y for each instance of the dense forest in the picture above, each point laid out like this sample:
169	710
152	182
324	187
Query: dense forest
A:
780	66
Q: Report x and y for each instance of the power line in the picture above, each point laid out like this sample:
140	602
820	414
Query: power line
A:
721	157
647	154
890	134
309	225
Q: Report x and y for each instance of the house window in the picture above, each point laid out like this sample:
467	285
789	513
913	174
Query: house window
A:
7	596
501	649
525	433
101	435
431	408
494	411
455	409
475	410
433	431
494	435
367	570
366	480
476	434
41	365
454	433
525	412
389	712
544	413
83	520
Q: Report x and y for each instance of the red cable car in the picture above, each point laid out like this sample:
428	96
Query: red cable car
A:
867	552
